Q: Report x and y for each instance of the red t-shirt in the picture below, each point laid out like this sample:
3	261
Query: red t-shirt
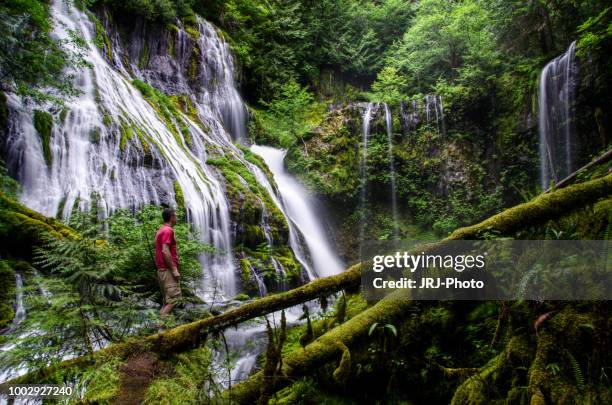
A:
165	236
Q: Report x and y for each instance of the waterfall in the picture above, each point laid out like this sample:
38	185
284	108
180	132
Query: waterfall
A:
434	102
302	216
110	145
246	344
367	117
555	119
389	124
294	241
20	312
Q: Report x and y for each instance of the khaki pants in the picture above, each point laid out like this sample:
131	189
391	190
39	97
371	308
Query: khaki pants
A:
169	285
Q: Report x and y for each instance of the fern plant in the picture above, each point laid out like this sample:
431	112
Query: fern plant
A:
576	371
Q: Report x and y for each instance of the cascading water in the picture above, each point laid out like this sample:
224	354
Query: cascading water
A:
367	117
112	146
389	124
122	151
20	311
434	102
555	119
302	214
294	240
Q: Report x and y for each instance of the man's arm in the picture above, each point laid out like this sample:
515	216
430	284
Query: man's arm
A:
168	259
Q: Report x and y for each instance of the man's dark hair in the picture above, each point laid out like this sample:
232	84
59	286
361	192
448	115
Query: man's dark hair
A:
167	214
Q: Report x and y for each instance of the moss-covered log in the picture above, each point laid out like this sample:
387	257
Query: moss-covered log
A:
188	336
541	209
327	348
29	224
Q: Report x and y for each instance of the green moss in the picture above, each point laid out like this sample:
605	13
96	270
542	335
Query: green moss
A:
342	372
94	135
194	63
178	195
64	114
101	40
170	43
246	274
192	31
107	120
126	135
186	136
246	196
168	110
43	122
103	381
23	225
292	268
142	139
184	385
7	294
143	60
3	111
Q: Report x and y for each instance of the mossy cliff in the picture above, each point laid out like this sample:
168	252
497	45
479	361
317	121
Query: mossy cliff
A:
260	228
21	228
445	176
43	122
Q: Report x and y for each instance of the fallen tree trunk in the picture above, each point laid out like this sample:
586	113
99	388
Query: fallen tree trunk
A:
190	335
327	347
569	179
541	209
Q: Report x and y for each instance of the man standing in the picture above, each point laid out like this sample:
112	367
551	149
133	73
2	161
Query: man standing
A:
167	262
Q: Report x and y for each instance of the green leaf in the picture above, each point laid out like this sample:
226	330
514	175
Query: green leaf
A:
374	325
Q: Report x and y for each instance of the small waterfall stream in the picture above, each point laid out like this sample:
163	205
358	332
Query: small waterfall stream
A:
367	117
302	214
318	257
389	124
555	118
20	311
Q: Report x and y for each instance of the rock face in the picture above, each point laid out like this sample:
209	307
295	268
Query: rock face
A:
448	168
191	64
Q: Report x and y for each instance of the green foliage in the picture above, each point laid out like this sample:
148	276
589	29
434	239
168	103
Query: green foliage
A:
594	33
102	382
450	47
7	291
132	239
99	287
286	119
389	86
279	41
157	10
8	185
31	60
